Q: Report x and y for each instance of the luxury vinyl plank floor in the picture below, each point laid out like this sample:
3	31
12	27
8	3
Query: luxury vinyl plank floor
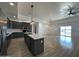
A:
18	48
52	48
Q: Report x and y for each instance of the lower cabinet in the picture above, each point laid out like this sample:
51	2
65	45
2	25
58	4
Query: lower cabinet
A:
17	34
36	46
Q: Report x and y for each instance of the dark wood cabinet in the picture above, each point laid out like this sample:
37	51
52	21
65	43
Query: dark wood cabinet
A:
17	34
19	25
36	46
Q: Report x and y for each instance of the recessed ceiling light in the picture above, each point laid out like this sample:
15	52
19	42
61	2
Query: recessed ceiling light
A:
14	16
12	4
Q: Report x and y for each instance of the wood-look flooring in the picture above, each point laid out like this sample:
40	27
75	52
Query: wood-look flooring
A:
52	48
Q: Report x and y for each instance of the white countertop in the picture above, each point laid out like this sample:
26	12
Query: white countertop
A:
36	36
13	30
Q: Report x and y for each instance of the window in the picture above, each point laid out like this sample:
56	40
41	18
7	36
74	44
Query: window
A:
65	36
65	31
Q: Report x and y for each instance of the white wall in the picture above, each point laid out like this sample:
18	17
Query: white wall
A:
2	15
42	29
71	21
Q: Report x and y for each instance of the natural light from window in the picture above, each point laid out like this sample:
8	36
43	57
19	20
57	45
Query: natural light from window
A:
65	36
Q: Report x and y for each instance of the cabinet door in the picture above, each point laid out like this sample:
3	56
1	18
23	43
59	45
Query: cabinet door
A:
39	46
28	42
32	45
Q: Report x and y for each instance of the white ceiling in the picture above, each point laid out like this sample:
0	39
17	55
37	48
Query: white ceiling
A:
43	11
9	10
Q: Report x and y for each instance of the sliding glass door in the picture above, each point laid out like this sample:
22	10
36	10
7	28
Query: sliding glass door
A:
65	36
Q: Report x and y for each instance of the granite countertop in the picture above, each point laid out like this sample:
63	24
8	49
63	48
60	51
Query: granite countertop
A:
36	36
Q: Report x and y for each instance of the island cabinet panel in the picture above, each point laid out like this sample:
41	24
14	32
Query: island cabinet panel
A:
27	41
36	46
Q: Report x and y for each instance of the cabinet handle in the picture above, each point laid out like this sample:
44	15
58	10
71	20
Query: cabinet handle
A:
41	41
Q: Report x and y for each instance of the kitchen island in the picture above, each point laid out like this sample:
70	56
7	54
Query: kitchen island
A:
35	43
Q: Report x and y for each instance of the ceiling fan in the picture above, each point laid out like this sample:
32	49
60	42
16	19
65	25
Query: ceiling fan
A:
72	10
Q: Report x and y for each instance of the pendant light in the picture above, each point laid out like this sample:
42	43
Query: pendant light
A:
32	21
